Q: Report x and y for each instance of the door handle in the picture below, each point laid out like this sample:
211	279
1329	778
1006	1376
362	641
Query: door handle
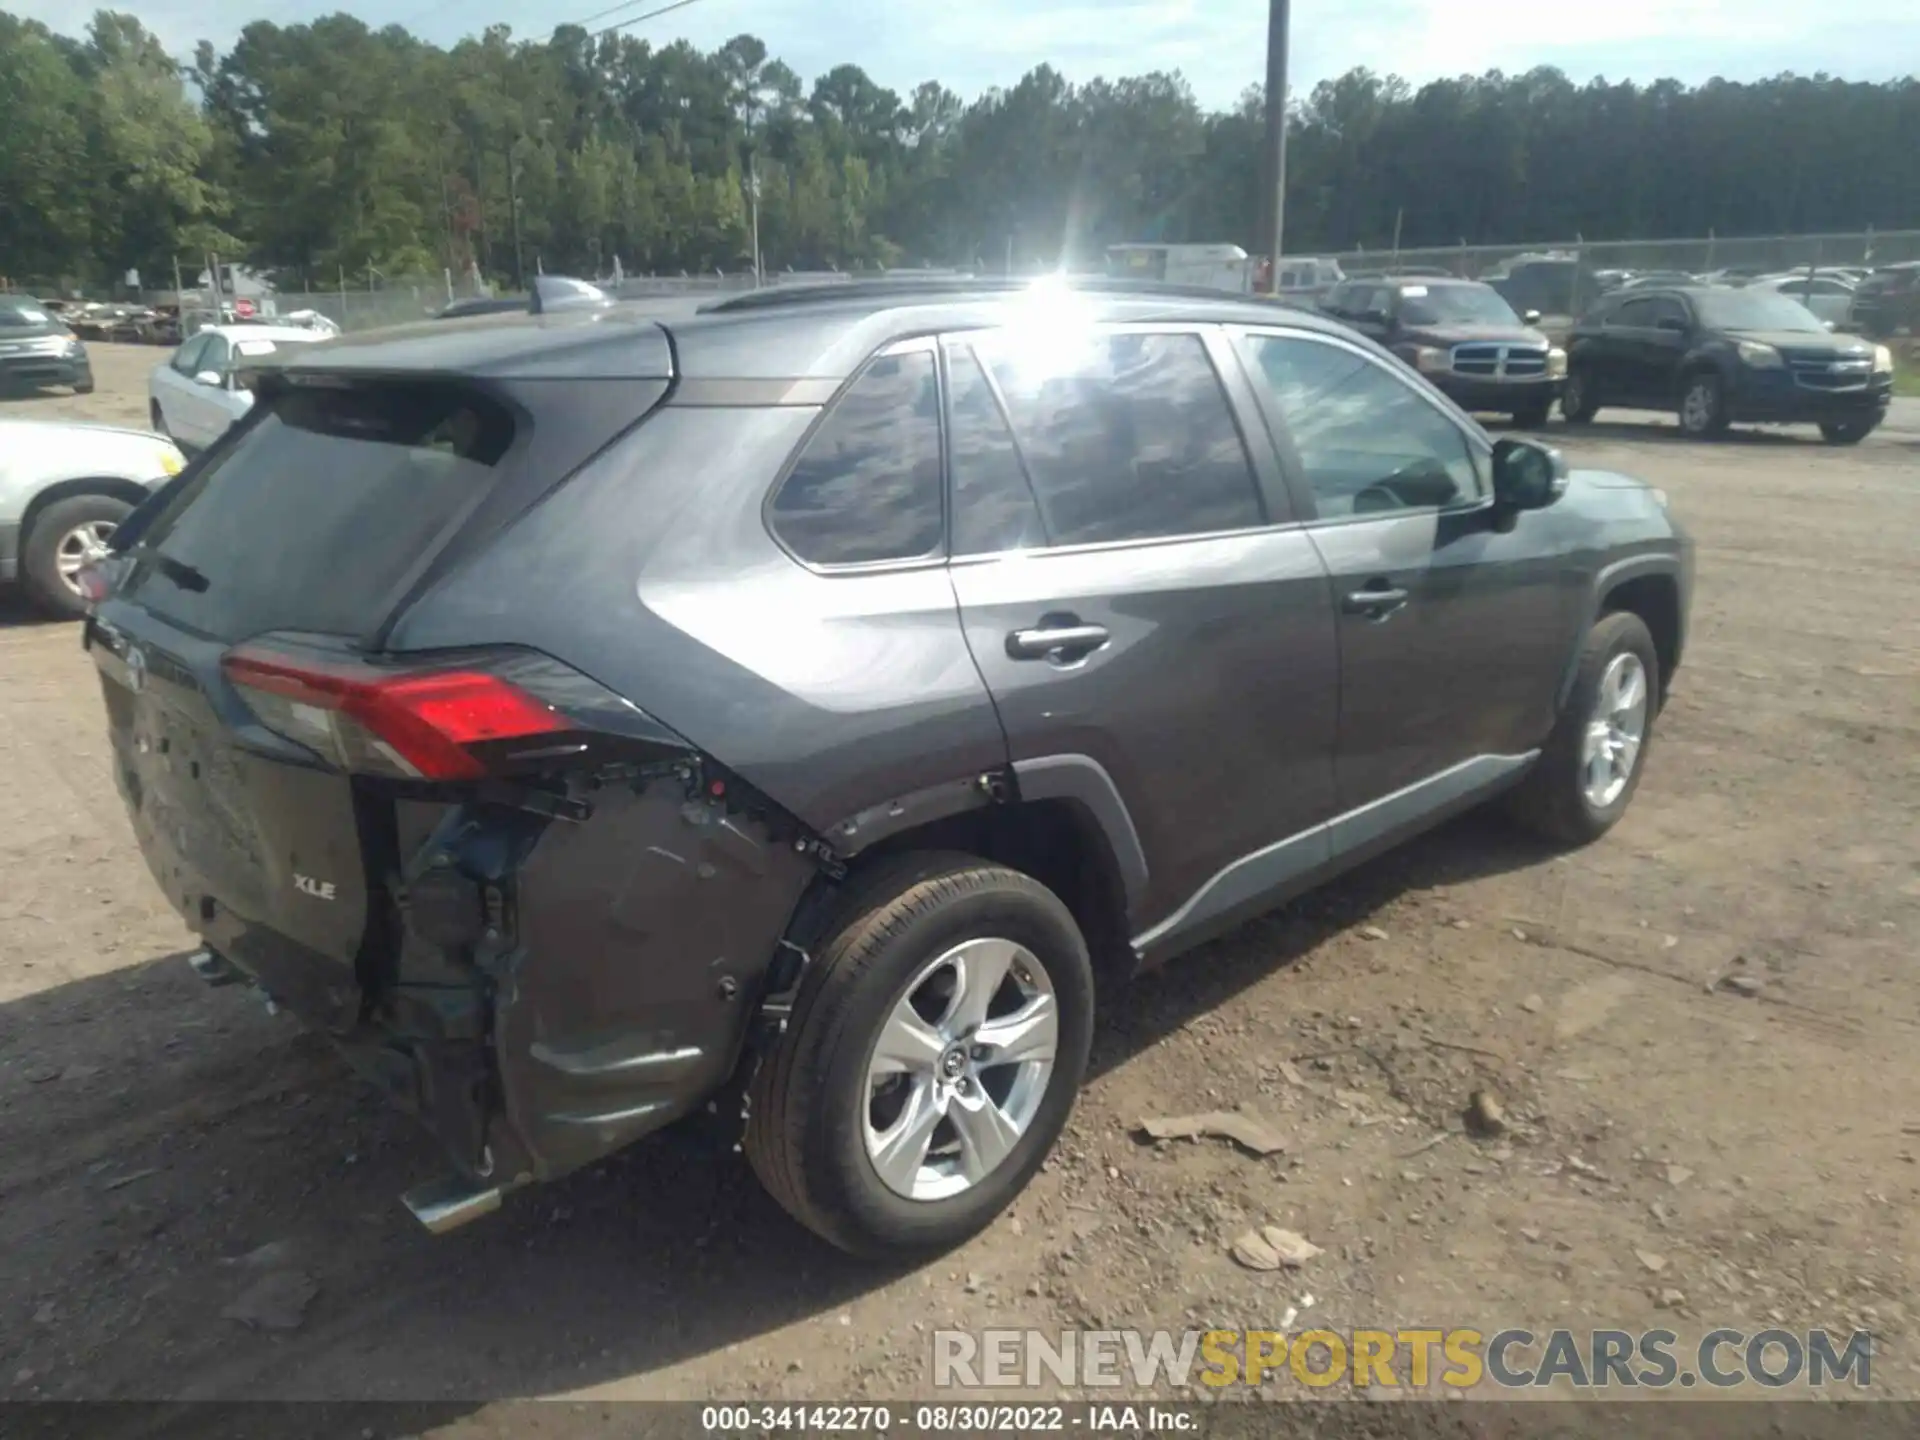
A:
1057	642
1376	602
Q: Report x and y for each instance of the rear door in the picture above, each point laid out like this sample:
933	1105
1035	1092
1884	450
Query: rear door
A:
1662	332
1452	634
1136	591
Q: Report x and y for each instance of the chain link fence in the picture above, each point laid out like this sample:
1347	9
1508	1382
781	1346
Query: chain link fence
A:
1757	255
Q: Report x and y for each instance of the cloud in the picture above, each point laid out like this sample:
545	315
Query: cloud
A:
1219	45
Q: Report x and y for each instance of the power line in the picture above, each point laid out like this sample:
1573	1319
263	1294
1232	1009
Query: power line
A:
631	19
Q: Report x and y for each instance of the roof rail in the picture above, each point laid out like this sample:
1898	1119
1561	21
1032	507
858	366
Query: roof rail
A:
938	287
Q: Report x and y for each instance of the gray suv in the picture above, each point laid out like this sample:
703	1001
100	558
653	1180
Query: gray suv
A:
787	707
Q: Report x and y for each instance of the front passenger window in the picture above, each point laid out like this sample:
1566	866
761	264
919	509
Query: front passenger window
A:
1369	442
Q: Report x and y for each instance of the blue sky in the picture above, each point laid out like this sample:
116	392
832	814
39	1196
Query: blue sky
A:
1217	44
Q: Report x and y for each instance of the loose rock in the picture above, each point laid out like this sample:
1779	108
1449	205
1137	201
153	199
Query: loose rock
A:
1270	1247
1652	1259
1373	932
1485	1115
1250	1132
1678	1174
1744	985
1533	1004
1670	1299
274	1302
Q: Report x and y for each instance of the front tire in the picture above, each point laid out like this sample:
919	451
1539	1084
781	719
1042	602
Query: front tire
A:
1703	406
63	538
932	1058
1579	402
1846	432
1586	775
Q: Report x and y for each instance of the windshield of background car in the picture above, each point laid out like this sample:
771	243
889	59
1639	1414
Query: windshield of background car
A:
1754	310
1454	305
312	516
16	316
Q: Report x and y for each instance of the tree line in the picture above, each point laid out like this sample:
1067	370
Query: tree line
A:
329	148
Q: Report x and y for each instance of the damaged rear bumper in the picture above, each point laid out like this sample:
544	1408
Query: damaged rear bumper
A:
549	988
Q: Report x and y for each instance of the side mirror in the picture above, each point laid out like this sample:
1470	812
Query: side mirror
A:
1831	326
1527	475
1670	324
1532	317
210	377
1376	317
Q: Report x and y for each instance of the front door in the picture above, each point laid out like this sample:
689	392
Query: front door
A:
1452	635
1654	331
1136	592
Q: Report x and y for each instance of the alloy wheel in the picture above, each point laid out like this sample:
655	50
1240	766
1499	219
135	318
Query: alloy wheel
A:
1615	731
960	1068
80	547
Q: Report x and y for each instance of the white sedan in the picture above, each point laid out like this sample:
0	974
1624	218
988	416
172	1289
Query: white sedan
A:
197	394
64	488
1826	295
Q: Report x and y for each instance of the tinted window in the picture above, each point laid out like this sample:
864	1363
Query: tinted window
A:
1369	442
1634	313
1125	437
311	518
993	505
1665	307
1755	310
867	486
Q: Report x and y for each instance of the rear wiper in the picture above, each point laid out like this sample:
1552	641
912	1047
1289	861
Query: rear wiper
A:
179	572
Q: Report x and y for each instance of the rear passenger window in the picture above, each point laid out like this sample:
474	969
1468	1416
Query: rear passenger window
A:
994	508
1125	437
867	487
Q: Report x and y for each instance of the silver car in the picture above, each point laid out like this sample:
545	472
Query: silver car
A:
64	488
197	394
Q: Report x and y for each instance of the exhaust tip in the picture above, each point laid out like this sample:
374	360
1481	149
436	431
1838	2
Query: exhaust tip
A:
450	1202
214	968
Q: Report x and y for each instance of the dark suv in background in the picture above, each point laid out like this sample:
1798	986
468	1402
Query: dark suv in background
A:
1718	356
589	718
1463	336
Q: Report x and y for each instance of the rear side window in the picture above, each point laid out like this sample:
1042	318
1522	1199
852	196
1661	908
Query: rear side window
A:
309	519
1125	436
867	486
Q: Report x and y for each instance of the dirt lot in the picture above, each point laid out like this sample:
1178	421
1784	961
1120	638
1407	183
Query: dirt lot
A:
1678	1151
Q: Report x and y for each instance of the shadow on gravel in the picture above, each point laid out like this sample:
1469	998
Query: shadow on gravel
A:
153	1133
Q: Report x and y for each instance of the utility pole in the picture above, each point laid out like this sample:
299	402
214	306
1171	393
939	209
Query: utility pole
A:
1273	197
513	208
753	202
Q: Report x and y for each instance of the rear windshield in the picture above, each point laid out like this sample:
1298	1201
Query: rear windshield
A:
310	519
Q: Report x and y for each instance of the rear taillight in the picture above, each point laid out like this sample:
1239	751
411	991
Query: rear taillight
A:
93	584
448	724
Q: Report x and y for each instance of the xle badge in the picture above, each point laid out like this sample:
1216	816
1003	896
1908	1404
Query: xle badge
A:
319	889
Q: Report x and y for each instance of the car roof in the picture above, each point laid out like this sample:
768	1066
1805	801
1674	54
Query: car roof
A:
1429	280
817	332
258	332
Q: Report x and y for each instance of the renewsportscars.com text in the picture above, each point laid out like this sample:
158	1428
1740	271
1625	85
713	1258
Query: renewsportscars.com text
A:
1455	1358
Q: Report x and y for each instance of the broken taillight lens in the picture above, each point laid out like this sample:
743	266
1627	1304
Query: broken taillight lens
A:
435	724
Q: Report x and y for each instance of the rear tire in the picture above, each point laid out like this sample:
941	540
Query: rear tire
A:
1534	416
61	533
1579	402
812	1135
1846	432
1703	406
1562	798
